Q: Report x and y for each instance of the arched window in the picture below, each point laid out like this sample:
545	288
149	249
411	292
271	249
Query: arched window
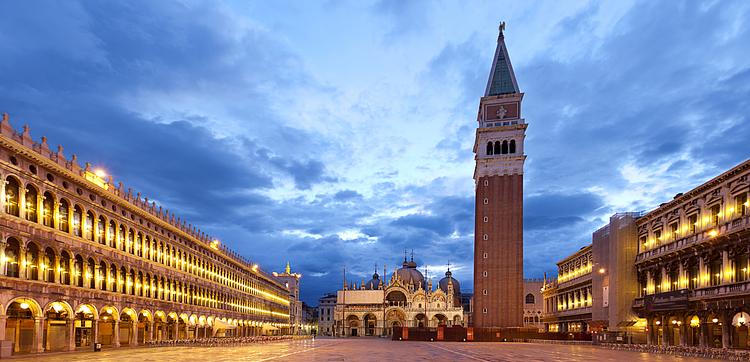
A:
90	273
48	208
489	148
103	271
48	265
77	222
12	256
139	244
88	227
112	281
78	271
529	298
139	284
111	234
63	216
101	226
131	282
65	274
32	262
512	146
121	238
131	242
147	285
497	148
12	190
122	281
505	148
31	203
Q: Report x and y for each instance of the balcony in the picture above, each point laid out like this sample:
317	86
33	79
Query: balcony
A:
727	290
723	229
662	302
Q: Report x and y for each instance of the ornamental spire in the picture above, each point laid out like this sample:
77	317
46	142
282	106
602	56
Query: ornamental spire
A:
502	79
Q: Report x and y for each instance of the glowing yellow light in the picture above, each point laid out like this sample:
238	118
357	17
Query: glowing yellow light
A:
713	233
601	271
24	305
715	320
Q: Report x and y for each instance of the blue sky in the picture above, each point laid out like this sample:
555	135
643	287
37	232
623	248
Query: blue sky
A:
336	133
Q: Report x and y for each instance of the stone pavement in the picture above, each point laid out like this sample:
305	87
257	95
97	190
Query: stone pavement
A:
362	349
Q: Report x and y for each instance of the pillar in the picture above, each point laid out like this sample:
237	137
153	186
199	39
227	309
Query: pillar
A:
726	340
95	330
116	333
22	267
725	277
703	338
683	333
176	332
134	341
72	334
151	330
38	331
664	332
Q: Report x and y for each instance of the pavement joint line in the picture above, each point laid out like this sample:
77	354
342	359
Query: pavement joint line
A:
461	354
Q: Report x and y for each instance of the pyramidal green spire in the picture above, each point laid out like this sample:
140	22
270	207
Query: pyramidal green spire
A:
502	79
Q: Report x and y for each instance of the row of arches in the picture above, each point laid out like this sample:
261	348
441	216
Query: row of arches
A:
56	326
724	329
32	261
501	148
373	323
30	203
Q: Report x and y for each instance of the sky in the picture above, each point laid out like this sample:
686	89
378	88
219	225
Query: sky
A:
337	134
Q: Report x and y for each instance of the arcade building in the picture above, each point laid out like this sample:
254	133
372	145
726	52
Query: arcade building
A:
84	260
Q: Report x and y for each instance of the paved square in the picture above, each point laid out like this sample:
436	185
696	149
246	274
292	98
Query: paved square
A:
364	349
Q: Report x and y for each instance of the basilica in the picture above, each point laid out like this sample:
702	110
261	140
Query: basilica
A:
407	299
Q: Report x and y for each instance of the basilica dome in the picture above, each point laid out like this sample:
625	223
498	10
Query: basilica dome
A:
444	283
374	283
408	273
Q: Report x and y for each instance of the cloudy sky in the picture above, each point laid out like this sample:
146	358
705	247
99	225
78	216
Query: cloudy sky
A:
339	133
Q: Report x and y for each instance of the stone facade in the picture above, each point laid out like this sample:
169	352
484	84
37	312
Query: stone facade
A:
406	300
498	237
326	318
692	265
86	261
568	300
533	303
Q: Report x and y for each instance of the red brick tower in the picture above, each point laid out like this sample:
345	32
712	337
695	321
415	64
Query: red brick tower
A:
498	228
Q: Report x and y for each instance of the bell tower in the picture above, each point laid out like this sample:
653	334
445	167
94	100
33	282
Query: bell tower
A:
498	176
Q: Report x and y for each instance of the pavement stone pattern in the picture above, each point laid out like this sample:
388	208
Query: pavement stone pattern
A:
363	349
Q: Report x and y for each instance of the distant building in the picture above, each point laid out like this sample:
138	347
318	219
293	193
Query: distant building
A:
567	300
309	319
326	308
291	281
533	303
407	299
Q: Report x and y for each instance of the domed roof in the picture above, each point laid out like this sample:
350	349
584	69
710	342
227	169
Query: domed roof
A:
443	285
374	283
408	273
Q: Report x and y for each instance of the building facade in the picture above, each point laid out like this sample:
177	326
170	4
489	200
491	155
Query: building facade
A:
692	265
533	304
406	300
326	318
291	282
498	175
86	261
568	300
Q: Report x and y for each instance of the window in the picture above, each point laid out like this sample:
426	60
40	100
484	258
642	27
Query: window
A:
484	291
497	148
485	237
77	224
674	279
741	204
673	230
485	255
657	235
63	216
31	203
505	147
741	268
715	268
12	189
484	273
512	146
692	223
48	206
489	148
643	242
484	310
715	212
529	298
486	201
693	276
486	219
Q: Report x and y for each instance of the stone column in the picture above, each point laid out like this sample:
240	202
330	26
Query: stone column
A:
726	340
151	330
72	334
650	340
22	267
664	332
95	329
683	333
56	266
725	278
116	333
38	331
703	337
3	244
134	341
176	332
